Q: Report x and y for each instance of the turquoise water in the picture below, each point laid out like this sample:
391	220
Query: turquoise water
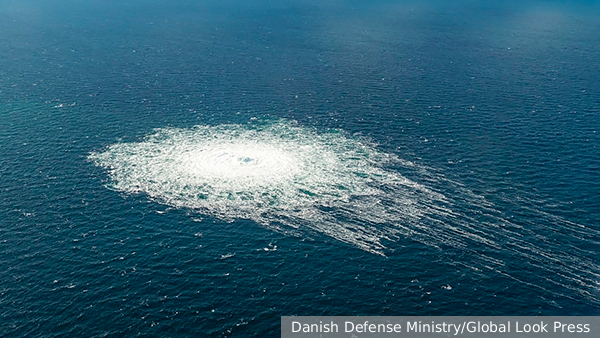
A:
201	169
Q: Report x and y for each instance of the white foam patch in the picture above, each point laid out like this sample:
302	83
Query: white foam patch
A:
296	179
277	174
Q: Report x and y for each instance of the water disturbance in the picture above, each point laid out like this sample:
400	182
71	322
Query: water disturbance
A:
298	180
277	174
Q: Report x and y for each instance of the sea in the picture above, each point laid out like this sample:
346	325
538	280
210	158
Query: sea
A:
201	168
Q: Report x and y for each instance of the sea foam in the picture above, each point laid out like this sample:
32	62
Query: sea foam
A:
299	180
277	174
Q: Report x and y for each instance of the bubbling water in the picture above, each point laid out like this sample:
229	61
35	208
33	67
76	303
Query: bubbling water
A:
297	180
278	174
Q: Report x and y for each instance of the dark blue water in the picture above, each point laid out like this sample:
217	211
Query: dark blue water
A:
496	105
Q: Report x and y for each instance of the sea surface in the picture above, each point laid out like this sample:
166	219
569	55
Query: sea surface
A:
202	168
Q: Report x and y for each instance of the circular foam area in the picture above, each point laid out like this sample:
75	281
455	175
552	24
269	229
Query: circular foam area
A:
275	173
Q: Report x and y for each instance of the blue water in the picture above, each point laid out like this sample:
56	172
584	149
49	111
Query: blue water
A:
490	110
